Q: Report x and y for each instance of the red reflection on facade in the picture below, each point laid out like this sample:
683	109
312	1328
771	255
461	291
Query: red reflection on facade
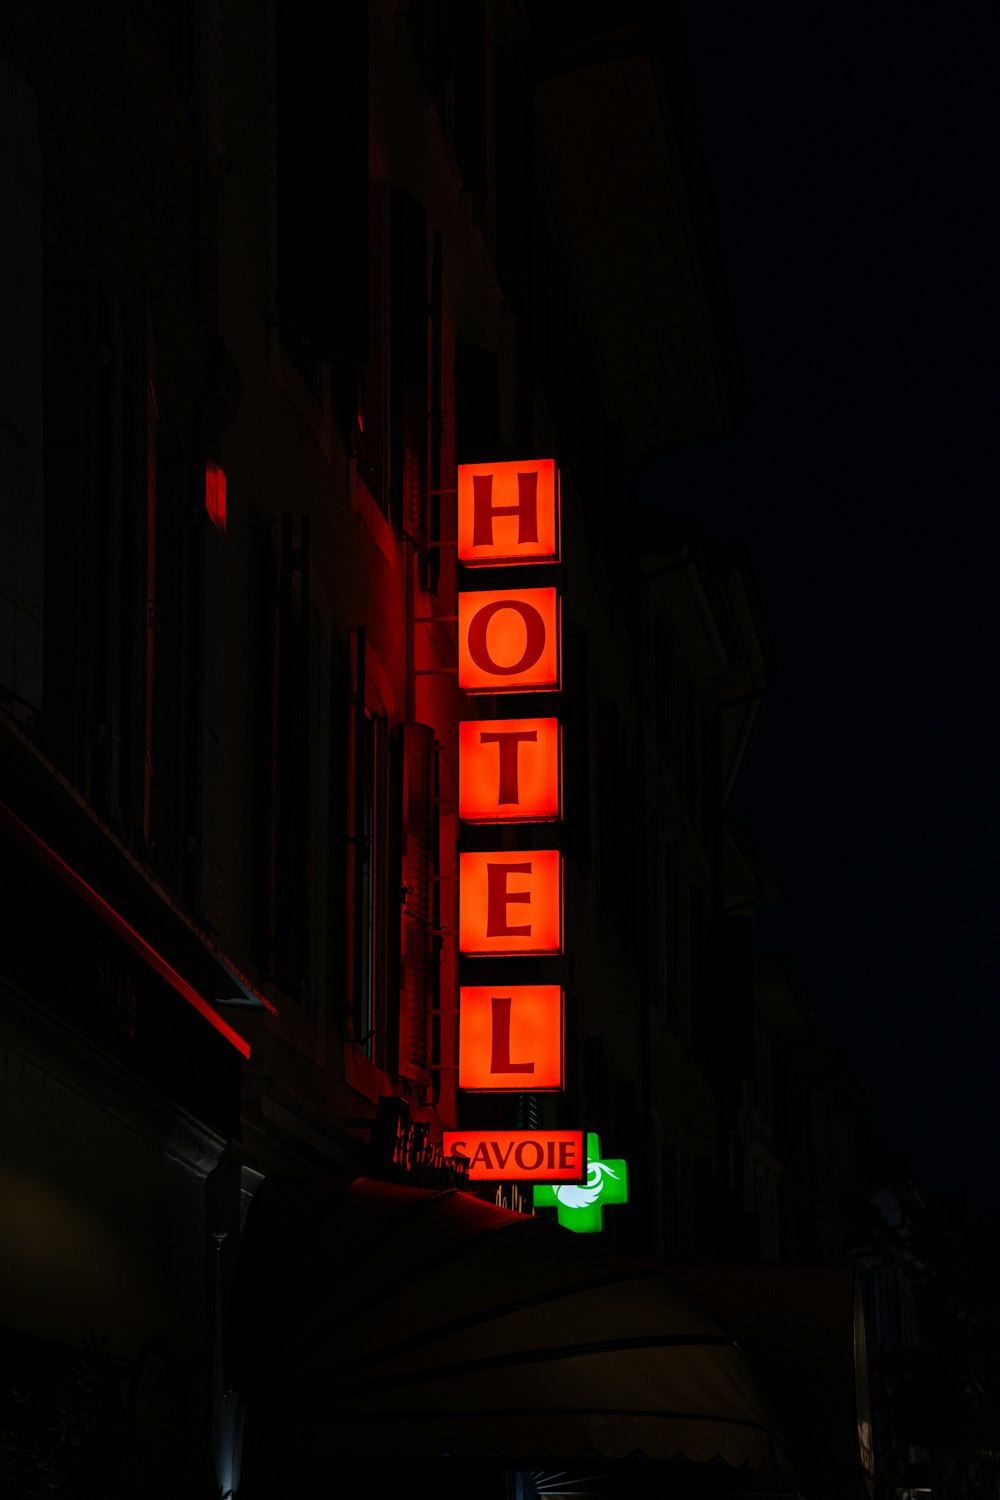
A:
215	495
118	925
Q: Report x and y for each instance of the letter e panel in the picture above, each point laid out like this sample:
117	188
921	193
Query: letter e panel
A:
510	902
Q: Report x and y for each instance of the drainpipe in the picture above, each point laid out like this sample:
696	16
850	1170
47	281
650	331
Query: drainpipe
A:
227	1405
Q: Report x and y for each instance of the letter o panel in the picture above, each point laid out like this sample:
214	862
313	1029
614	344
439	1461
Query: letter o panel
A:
509	641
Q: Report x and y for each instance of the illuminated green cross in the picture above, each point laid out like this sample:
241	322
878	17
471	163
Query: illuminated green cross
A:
581	1207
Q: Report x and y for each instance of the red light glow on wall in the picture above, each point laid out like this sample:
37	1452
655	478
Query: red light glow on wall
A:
510	902
215	495
509	770
508	641
519	1155
510	1037
120	927
508	513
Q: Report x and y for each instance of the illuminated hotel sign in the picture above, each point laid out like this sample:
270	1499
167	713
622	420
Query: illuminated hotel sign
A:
521	1155
510	771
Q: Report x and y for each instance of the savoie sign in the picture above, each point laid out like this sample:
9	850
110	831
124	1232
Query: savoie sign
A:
519	1155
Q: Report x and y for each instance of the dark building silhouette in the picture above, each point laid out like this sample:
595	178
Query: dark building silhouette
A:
271	274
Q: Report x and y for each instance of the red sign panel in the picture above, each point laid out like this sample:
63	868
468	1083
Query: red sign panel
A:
508	513
510	902
509	770
510	1036
520	1155
508	641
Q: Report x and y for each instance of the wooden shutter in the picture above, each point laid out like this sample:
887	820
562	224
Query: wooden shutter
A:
417	987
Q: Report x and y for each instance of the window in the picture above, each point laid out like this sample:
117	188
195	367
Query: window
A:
366	843
280	638
97	484
21	496
373	380
409	329
321	115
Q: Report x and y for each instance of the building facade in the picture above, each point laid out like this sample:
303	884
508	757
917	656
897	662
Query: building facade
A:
273	277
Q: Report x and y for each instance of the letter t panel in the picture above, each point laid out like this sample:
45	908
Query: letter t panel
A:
509	771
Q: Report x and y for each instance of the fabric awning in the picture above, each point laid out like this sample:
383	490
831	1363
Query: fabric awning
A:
375	1321
802	1327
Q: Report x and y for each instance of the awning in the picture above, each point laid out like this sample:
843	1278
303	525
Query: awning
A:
380	1322
802	1327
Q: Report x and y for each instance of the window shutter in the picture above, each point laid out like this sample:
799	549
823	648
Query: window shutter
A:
418	975
414	504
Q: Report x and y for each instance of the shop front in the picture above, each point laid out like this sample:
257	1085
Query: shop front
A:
389	1334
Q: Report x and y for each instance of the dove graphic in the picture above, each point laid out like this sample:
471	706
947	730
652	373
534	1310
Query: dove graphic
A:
582	1197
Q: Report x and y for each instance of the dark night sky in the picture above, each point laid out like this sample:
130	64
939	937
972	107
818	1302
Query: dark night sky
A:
852	158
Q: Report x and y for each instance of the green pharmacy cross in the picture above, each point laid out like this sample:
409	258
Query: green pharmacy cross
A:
581	1206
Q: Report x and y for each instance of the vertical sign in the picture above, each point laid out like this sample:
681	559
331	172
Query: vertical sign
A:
510	771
